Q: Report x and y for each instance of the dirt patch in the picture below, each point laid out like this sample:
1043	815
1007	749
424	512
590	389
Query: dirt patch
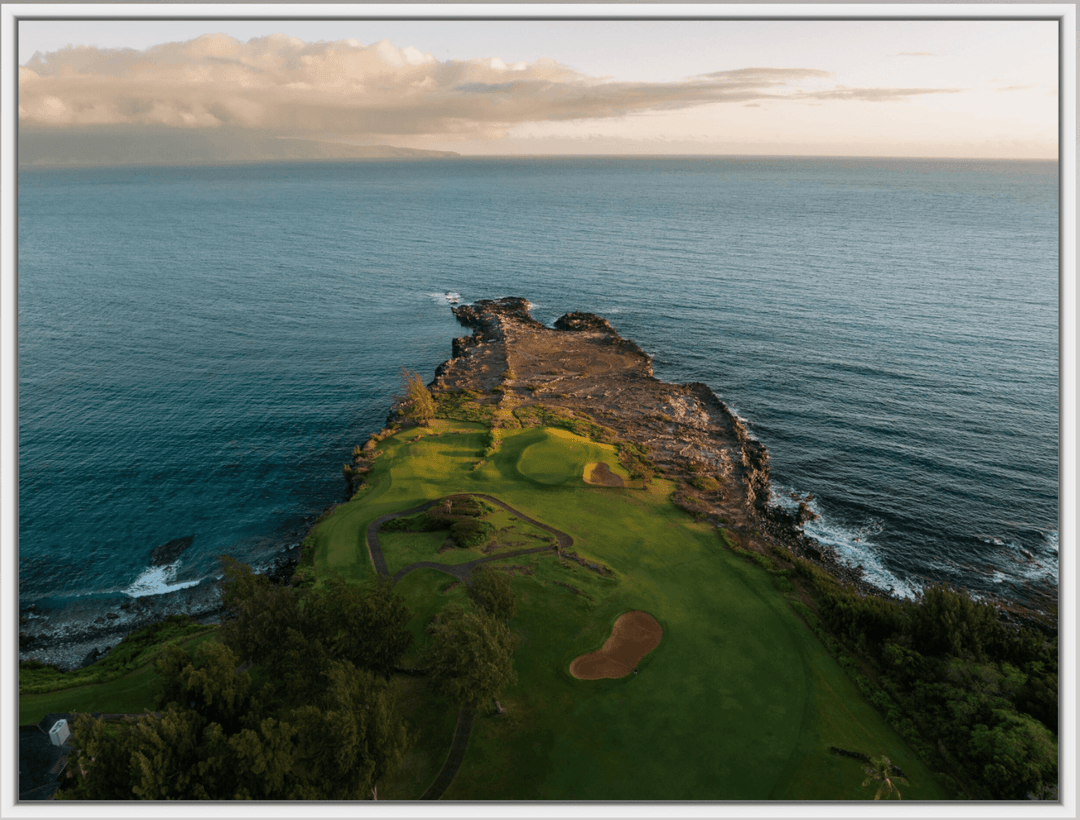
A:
634	635
599	473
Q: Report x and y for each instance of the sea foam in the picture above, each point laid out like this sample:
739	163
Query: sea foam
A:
157	581
852	544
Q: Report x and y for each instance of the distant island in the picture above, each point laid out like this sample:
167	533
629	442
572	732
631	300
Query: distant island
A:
109	147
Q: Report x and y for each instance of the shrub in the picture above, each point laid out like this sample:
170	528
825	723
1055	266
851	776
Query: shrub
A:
707	484
471	532
462	405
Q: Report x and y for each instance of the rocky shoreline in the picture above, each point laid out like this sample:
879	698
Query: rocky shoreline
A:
580	364
583	364
80	634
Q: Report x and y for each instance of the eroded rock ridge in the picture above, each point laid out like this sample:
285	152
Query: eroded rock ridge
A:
582	363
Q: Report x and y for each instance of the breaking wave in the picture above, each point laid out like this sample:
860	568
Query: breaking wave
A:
158	580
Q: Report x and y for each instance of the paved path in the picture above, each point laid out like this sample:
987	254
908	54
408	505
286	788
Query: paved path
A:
460	743
454	757
460	571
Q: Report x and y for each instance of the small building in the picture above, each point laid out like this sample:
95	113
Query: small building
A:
41	758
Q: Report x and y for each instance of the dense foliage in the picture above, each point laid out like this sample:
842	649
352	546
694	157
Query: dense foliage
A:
471	655
291	630
461	516
219	736
313	718
471	532
949	670
491	592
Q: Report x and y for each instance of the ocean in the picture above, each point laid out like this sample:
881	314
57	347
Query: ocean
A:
201	347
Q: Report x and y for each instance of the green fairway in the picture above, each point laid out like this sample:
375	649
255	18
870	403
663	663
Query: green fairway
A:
740	701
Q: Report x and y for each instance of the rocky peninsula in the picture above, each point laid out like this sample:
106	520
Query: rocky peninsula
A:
583	364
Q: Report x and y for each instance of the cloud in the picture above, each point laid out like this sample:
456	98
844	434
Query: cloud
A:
348	90
874	94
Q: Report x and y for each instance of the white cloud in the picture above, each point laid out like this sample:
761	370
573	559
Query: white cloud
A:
344	89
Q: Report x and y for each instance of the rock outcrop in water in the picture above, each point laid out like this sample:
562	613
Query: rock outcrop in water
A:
168	552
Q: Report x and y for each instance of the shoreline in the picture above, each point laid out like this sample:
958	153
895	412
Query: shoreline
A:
84	631
509	350
689	428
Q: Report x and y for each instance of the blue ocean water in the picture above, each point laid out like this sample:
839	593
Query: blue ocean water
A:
201	348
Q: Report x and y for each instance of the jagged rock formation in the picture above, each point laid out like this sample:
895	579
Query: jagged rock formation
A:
584	364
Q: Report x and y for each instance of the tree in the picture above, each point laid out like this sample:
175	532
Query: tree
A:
491	592
417	403
259	614
349	738
294	631
365	625
1018	754
471	656
949	621
881	771
215	738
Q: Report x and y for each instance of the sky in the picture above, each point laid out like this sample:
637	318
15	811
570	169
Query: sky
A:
921	88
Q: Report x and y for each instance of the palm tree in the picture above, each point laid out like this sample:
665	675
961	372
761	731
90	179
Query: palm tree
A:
881	771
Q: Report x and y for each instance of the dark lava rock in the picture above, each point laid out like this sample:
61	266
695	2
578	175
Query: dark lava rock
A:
112	616
92	656
583	321
478	315
168	552
806	514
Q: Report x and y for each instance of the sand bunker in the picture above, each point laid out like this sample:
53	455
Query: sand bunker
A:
634	635
599	473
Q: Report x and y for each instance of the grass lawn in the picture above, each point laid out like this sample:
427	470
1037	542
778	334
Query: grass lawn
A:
403	548
130	693
739	701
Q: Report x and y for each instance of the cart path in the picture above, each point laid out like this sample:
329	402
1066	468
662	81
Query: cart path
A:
454	757
460	571
460	744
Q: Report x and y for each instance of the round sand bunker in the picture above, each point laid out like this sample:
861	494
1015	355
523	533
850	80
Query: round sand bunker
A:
634	635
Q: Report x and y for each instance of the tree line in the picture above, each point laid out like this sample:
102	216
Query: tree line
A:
949	670
297	696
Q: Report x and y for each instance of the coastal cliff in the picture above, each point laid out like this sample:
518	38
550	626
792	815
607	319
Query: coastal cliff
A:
583	364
